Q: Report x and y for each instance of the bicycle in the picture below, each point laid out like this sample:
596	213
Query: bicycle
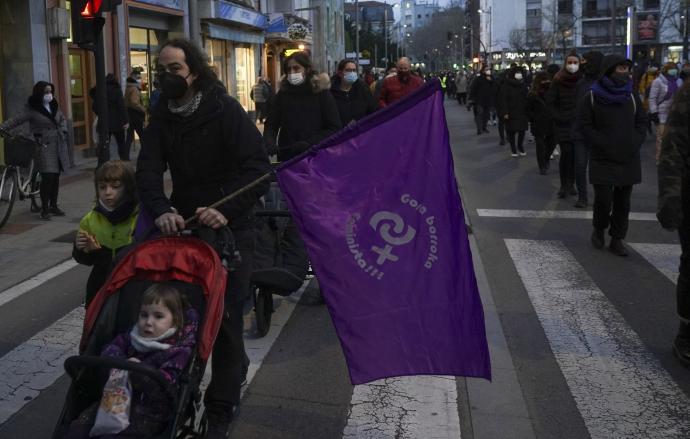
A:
19	178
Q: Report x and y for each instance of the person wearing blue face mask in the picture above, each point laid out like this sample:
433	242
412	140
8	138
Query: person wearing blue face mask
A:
352	96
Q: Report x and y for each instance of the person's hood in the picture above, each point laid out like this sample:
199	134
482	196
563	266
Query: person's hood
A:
609	63
594	58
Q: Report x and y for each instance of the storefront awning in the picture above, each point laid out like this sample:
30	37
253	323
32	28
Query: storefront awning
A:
231	12
172	4
232	34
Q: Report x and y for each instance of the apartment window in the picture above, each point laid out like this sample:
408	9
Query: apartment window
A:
419	16
565	6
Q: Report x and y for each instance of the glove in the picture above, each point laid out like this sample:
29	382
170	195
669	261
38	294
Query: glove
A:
654	117
271	147
670	214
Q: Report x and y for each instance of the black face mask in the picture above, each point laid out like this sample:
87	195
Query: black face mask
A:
620	79
173	86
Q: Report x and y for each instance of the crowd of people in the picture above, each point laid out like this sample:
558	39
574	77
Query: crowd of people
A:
593	108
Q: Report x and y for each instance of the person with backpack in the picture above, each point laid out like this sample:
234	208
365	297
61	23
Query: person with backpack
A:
614	125
660	97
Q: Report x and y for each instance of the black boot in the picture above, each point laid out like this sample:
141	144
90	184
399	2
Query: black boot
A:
617	248
218	424
56	211
562	192
581	203
597	239
681	345
45	214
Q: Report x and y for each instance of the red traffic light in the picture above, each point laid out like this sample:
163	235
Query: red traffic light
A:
91	8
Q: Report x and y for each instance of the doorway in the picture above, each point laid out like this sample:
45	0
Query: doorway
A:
81	103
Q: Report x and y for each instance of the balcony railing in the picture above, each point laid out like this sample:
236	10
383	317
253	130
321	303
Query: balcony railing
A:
600	40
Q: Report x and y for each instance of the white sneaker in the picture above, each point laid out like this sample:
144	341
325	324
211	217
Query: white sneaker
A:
513	155
522	154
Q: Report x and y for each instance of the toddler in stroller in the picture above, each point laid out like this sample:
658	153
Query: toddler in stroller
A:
163	339
165	382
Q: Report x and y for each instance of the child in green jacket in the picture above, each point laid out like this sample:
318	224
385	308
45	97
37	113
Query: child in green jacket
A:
109	226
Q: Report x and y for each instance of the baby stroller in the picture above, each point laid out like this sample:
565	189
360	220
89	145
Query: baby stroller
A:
196	269
281	263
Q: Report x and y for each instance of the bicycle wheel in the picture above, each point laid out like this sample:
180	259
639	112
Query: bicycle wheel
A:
8	193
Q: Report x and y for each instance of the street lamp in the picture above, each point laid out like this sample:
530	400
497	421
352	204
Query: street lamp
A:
491	23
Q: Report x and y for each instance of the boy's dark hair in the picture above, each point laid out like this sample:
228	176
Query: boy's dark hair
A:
197	60
300	58
344	62
168	296
117	170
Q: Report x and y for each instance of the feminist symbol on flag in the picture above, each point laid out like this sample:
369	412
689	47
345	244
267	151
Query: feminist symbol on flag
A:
386	253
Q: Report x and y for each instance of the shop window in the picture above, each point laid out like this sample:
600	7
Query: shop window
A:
245	75
143	47
217	53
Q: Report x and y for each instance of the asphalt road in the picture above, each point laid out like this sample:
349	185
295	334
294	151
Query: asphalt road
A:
588	332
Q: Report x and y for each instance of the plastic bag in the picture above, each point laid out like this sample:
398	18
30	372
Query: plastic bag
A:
113	413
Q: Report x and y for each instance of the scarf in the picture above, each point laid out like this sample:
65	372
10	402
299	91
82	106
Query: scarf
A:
608	93
119	214
142	344
186	110
672	86
566	78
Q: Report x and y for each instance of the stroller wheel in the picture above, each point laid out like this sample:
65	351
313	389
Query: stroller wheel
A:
264	308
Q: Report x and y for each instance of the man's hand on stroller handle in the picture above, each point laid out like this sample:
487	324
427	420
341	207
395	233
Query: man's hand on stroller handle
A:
170	223
210	217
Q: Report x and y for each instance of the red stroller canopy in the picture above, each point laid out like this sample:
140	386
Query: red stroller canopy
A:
183	259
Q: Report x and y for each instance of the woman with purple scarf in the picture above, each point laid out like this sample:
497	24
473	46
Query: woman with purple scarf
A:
660	97
614	125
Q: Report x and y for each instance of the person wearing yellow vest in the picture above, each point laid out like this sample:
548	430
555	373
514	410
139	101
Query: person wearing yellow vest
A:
109	226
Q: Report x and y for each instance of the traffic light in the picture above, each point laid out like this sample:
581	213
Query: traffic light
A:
87	21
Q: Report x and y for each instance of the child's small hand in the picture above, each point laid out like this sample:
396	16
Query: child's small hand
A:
86	242
134	360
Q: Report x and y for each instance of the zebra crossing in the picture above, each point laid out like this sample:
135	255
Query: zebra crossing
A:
620	388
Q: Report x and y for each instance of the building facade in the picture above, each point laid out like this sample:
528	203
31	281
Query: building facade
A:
651	29
35	45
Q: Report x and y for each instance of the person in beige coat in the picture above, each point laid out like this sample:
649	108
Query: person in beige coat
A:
136	112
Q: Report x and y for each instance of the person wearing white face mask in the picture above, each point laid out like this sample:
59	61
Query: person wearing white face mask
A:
562	102
48	125
353	98
513	109
303	112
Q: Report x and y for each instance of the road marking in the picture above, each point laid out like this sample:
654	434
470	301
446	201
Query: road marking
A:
35	281
621	390
555	214
37	363
665	257
412	407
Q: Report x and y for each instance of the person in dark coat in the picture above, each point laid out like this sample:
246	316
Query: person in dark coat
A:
513	108
673	211
496	112
212	148
614	124
303	112
591	66
48	126
118	119
561	101
352	96
482	98
541	123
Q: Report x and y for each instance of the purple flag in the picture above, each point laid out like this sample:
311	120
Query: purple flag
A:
379	211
